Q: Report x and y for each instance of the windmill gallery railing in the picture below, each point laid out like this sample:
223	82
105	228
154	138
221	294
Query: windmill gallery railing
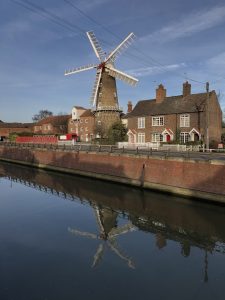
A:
106	108
161	151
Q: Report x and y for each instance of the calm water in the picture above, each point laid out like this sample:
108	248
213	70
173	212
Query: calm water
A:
67	237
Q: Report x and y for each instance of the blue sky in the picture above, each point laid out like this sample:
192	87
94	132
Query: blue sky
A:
175	40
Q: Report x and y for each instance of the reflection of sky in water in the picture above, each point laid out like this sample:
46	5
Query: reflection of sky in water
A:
54	248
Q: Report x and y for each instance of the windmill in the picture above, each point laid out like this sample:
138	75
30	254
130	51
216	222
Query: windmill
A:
104	98
106	220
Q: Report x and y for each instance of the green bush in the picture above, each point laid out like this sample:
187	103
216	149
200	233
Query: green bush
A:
117	133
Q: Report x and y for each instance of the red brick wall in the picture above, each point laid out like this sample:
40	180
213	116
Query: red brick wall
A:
73	126
7	131
215	119
86	128
202	176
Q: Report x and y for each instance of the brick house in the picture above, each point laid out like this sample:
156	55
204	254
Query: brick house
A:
87	125
180	118
83	125
74	120
52	125
8	128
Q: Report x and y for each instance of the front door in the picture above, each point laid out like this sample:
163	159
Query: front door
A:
168	138
196	137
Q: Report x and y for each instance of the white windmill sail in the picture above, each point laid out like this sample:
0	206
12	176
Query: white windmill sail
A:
96	87
114	247
82	233
98	255
122	46
122	76
122	230
80	69
96	46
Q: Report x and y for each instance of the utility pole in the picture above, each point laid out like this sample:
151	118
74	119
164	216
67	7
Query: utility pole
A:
207	116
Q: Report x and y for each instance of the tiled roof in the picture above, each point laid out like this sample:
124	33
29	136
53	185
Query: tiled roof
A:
79	107
87	113
16	125
170	105
55	120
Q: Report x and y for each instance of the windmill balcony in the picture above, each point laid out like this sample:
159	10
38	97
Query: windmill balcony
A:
108	108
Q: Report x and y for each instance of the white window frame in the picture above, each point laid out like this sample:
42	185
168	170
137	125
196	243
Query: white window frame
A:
157	137
141	122
184	137
141	138
158	121
185	120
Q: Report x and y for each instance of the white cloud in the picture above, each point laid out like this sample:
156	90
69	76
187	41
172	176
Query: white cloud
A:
189	25
141	72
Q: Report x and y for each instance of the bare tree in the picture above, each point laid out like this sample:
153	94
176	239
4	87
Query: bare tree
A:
42	114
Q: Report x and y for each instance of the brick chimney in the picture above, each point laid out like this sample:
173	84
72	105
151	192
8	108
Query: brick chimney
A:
129	107
160	93
186	89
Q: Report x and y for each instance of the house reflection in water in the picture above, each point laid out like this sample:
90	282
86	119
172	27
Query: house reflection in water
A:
163	232
190	224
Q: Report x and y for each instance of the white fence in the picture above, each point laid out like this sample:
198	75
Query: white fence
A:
158	146
144	146
177	147
154	146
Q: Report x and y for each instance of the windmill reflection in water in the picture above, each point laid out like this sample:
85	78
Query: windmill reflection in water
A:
107	223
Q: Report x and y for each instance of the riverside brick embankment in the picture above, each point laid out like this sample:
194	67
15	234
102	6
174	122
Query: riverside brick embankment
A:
193	178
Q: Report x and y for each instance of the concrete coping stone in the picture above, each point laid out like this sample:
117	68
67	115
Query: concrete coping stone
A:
137	156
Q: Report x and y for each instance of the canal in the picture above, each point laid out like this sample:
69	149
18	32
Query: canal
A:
67	237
